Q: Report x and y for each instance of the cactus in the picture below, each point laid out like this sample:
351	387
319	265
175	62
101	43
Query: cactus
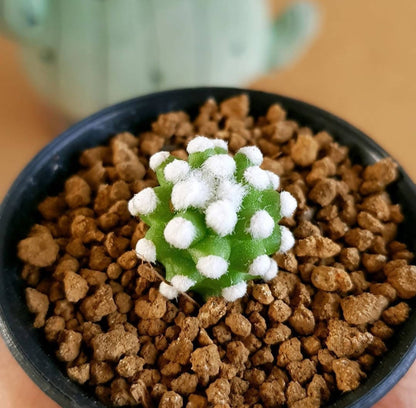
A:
213	220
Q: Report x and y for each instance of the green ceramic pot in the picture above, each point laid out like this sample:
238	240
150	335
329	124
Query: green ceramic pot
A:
82	55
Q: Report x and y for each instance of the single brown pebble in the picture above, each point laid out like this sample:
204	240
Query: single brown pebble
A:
37	303
331	279
69	345
403	279
321	247
302	320
171	399
238	324
305	150
212	311
279	311
262	293
39	249
348	374
80	374
324	192
364	308
77	192
98	305
75	287
396	315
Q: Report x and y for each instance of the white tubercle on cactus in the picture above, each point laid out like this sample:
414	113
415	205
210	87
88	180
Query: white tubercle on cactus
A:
220	166
144	202
179	232
221	217
260	265
176	171
157	159
261	225
288	204
182	283
220	143
212	266
257	177
252	153
235	292
274	179
146	250
231	191
168	291
272	271
192	192
199	144
287	240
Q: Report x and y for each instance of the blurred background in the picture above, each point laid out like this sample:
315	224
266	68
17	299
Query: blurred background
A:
62	60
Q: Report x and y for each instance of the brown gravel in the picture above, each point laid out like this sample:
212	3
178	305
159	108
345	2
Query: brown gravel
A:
298	341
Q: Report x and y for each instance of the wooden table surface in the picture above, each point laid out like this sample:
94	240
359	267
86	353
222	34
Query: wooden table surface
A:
361	67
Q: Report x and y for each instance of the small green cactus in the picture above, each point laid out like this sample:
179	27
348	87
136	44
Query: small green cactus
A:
213	219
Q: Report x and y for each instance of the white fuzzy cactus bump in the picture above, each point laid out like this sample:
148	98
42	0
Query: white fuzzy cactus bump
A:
168	291
257	177
191	192
157	159
179	232
220	143
221	217
252	153
176	171
220	165
199	144
144	202
146	250
235	292
274	179
288	204
182	283
271	272
287	240
212	266
261	225
260	265
232	192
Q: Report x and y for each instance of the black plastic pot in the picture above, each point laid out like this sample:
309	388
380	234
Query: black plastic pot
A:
45	175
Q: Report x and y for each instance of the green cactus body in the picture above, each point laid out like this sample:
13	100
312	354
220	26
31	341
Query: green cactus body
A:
213	220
